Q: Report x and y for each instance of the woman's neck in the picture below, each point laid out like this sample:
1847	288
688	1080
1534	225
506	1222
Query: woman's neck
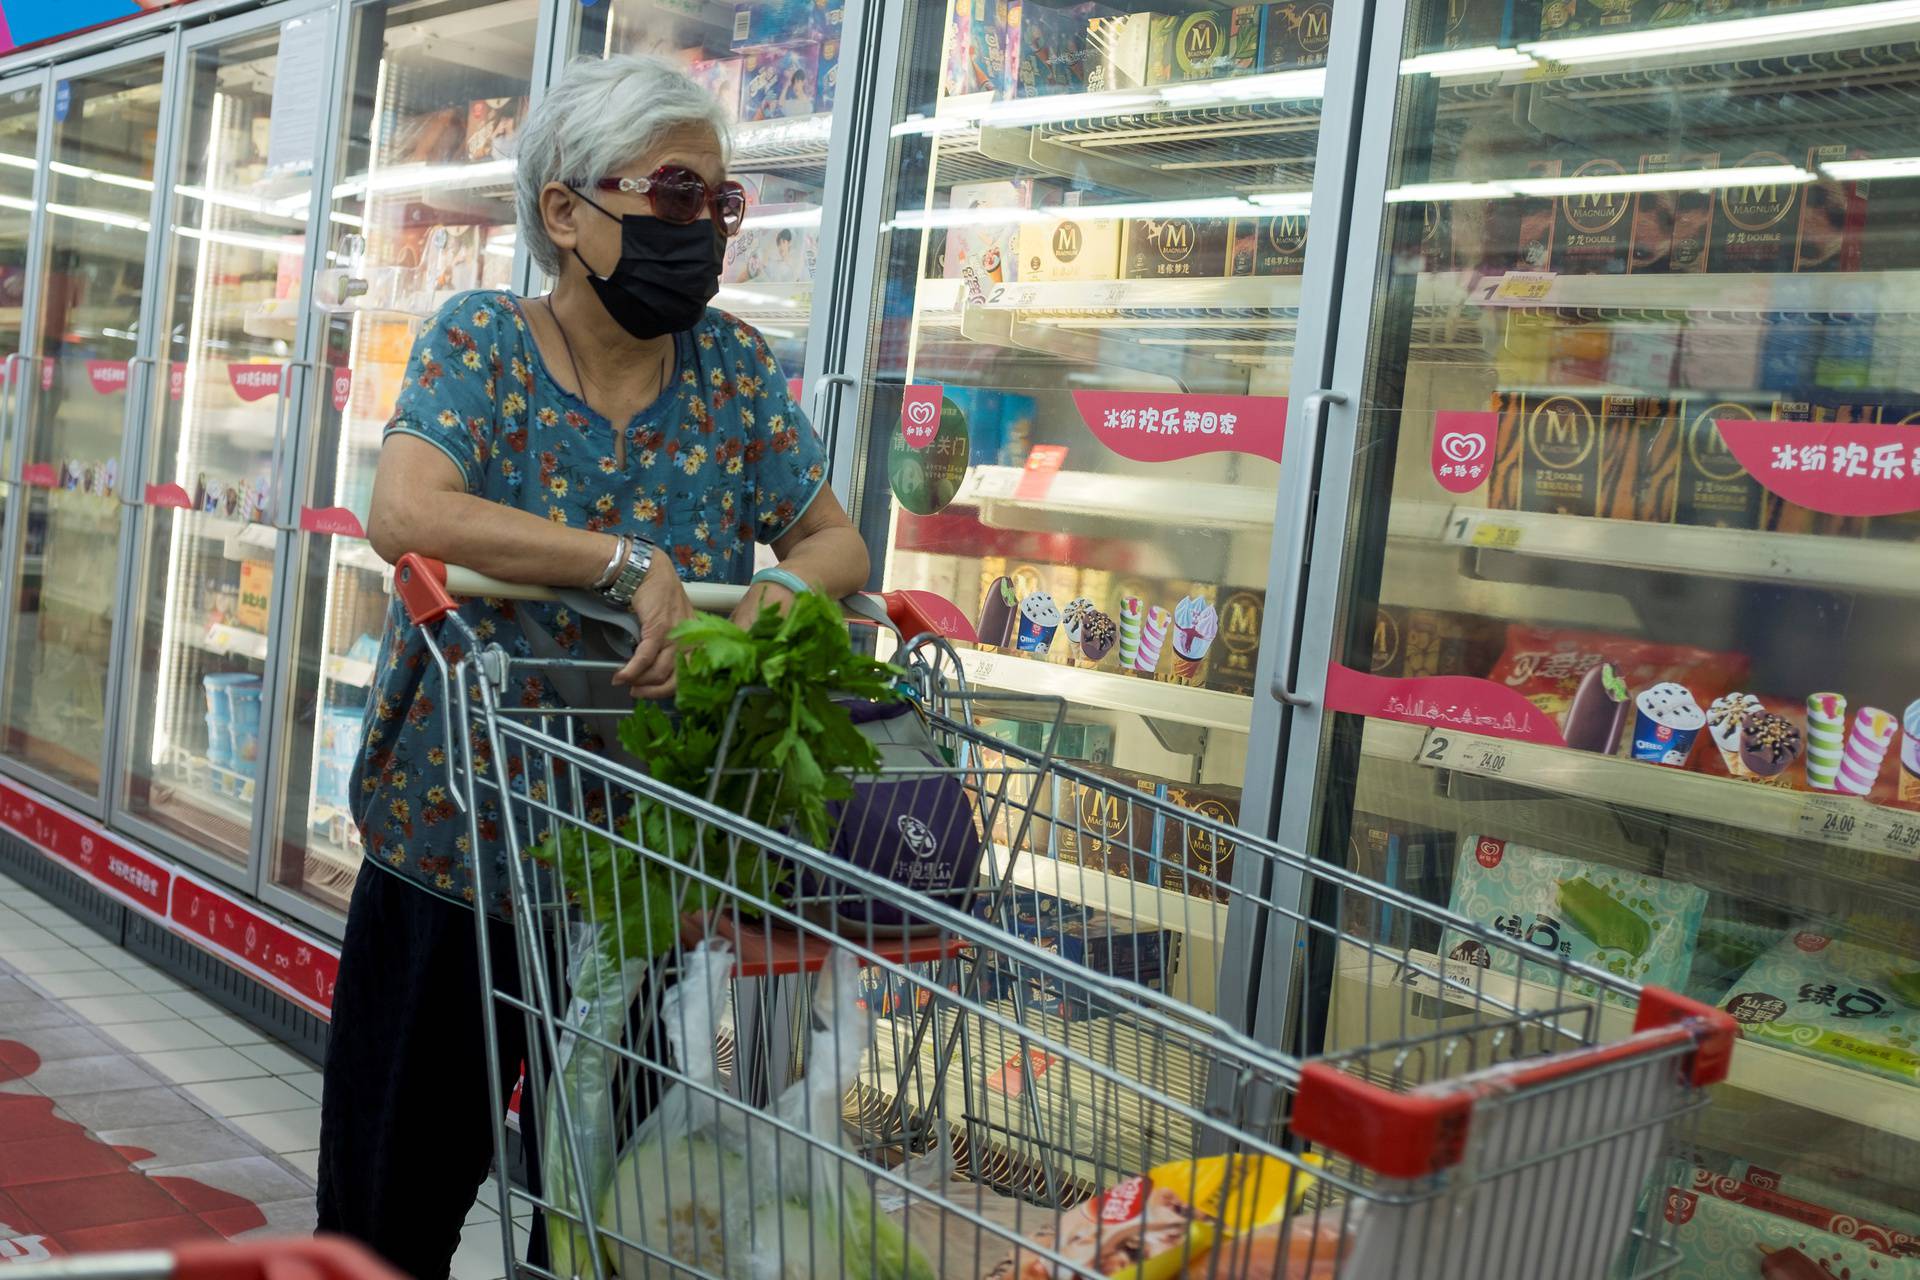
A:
609	358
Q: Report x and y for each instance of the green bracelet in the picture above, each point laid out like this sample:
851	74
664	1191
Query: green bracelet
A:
783	578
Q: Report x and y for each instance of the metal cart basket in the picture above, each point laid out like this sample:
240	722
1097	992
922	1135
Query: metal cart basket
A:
850	1075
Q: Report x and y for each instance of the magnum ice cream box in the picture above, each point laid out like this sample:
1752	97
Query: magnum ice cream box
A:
1236	650
1598	17
1670	228
1833	216
1175	248
1616	457
1076	247
1782	516
1592	230
1273	246
1204	45
1296	35
1756	223
1715	490
1433	642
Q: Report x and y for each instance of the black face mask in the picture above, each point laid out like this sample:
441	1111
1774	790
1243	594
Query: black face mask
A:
666	275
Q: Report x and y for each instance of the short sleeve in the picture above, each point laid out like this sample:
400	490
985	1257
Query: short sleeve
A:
789	462
450	398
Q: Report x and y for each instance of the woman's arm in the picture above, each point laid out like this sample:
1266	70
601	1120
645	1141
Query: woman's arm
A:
421	506
823	548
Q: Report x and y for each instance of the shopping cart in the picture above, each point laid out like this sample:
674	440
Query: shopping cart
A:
951	1087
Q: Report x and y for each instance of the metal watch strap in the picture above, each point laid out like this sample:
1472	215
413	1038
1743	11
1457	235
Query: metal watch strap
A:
632	573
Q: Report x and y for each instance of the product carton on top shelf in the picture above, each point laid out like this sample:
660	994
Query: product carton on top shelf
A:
1756	223
1833	216
720	77
772	22
1076	247
1295	36
978	60
1122	45
1049	48
1600	17
780	81
986	254
1270	246
1670	228
1204	45
1176	248
1592	230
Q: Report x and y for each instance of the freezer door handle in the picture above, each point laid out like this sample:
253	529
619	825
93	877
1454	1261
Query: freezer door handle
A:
825	405
14	364
138	408
281	466
1312	411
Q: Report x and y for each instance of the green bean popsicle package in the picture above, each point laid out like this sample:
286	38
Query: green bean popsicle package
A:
1834	998
1639	927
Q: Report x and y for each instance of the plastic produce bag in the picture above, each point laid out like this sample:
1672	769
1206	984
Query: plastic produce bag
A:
739	1194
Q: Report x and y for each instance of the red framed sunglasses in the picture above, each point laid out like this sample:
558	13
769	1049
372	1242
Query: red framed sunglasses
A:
678	194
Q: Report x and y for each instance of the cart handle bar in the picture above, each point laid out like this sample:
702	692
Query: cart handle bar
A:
1420	1132
428	588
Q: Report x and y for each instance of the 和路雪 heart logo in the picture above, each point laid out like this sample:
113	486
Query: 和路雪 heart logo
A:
1462	447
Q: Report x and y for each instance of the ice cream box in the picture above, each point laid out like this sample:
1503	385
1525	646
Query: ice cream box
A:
1121	46
775	189
1433	642
1204	45
1560	18
1073	248
1175	248
986	254
1236	651
1295	36
1830	998
769	22
1408	856
773	254
431	137
1756	223
1193	859
1724	949
1526	226
1274	246
1889	1218
1547	453
1670	228
1715	490
1782	516
829	75
720	77
1639	458
1476	24
780	81
491	123
1592	229
1833	215
977	55
256	595
1720	1237
1050	48
1634	926
1080	935
1101	827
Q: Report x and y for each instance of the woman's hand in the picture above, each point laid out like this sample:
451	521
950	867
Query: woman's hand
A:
758	597
660	604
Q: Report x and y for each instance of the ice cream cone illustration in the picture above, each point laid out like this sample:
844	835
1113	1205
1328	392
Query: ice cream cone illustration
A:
1826	737
1195	624
1038	619
990	263
1097	637
1130	616
1073	619
1725	717
1153	634
1866	750
1910	755
1769	744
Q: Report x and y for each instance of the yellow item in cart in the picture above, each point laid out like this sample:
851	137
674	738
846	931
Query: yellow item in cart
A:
1155	1225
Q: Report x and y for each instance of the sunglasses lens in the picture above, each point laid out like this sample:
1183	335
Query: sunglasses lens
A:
678	198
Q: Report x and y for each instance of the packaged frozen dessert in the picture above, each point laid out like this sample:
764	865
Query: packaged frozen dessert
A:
1546	666
1826	739
1666	721
1598	712
1038	619
997	612
1726	1230
1195	623
1639	927
1834	998
1433	642
1724	718
1723	950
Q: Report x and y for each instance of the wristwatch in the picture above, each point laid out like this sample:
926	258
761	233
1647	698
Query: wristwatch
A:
631	575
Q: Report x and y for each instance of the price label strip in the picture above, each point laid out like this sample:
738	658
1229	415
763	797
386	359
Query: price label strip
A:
1515	289
1854	824
1466	752
1485	530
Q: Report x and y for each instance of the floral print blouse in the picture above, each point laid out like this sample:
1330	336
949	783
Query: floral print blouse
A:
722	459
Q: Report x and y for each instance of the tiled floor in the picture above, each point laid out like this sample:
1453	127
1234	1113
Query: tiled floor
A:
134	1113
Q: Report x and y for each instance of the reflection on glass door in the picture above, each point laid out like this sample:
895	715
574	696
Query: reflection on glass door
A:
775	71
19	149
422	209
97	234
236	259
1635	468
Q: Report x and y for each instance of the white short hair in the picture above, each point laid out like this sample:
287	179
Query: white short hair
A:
599	116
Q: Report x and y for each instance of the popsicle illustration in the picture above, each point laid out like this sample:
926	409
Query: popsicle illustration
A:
1602	918
997	613
1725	716
1153	634
1130	616
1195	624
1038	619
1598	712
1769	745
1097	636
1866	750
1826	737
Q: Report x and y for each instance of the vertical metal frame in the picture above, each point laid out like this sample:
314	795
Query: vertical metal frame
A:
138	387
1290	726
162	261
14	455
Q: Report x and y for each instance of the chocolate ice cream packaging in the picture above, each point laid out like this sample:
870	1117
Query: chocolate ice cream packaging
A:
1547	453
1756	223
1433	642
1723	1229
1639	458
1715	490
1833	215
1296	35
1671	228
1236	652
1834	998
1593	230
1269	246
1175	249
1781	516
1635	926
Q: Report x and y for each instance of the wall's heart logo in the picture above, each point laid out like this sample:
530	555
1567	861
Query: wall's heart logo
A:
1461	447
920	414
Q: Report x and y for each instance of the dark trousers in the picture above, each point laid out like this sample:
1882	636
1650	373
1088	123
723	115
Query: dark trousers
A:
406	1123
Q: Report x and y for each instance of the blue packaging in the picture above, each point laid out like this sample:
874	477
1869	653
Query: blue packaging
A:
1080	935
244	728
780	82
780	22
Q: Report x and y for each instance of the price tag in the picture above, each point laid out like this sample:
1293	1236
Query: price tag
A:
1466	752
1854	824
1830	820
348	671
1485	530
1515	289
1497	536
1546	69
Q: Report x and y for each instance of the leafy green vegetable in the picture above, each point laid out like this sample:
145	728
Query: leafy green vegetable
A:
789	754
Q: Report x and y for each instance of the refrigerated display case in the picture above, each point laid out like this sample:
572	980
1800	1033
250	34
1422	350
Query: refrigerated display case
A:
420	208
214	486
1604	643
20	112
95	356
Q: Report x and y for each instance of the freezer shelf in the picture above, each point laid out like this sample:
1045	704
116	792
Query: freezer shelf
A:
1854	564
1116	498
1112	690
1792	1079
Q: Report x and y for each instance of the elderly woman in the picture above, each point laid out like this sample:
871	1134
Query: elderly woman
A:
616	435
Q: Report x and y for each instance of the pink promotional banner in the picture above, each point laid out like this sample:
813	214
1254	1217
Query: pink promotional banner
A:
169	495
41	475
107	376
1840	468
1167	428
336	521
253	381
943	616
342	387
1463	448
1458	702
920	414
176	379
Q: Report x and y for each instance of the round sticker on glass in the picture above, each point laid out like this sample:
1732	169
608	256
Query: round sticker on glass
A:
925	478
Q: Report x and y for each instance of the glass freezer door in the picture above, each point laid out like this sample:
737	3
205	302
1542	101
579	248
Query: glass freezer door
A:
234	266
19	166
1613	658
55	707
421	208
